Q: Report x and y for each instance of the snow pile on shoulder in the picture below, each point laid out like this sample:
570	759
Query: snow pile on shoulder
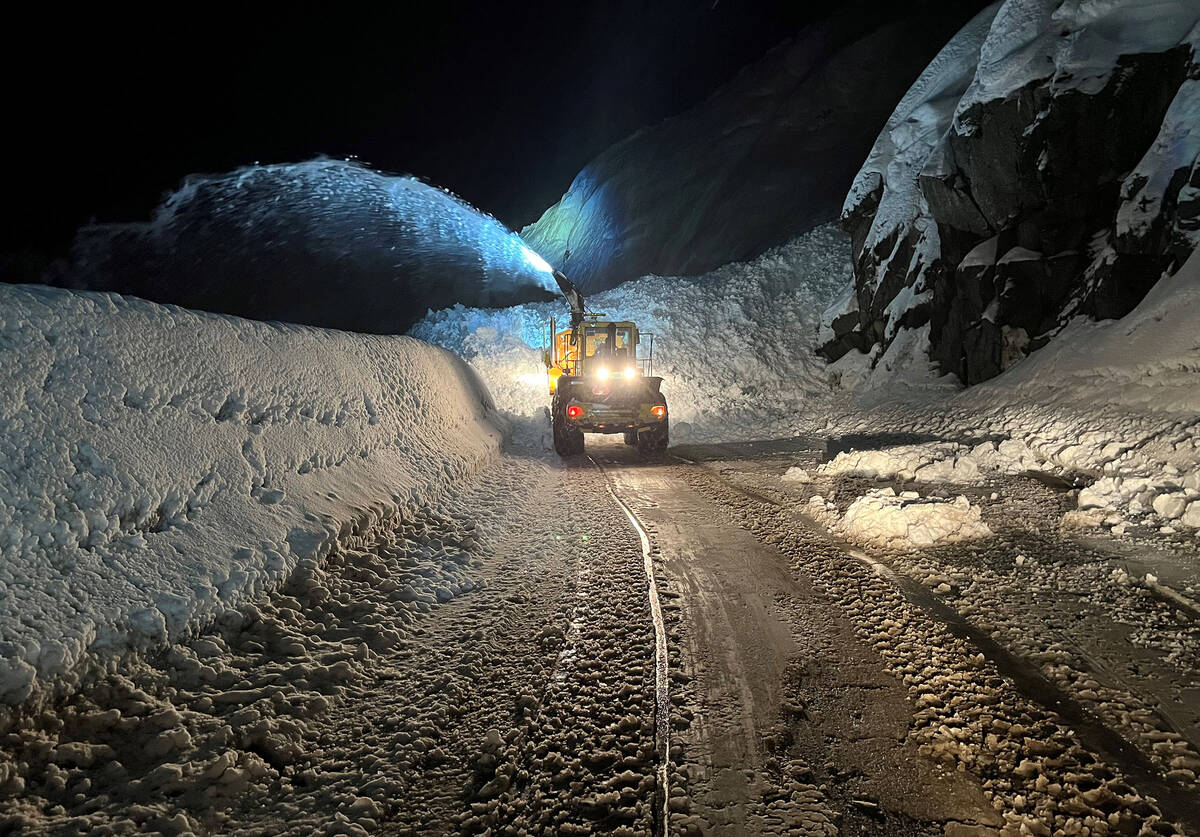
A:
1133	386
1116	400
900	521
735	347
935	462
158	466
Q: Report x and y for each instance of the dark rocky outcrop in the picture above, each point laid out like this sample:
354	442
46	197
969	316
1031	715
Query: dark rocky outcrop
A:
1033	192
765	158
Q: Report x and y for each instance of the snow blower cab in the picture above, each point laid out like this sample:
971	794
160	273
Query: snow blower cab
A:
601	378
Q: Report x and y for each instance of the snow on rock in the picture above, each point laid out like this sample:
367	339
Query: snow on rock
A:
986	214
1160	198
158	466
735	347
1076	44
901	521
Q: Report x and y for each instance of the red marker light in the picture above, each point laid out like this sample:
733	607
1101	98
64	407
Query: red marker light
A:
574	411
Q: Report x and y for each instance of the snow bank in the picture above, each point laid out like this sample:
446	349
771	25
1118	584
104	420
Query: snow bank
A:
884	519
735	347
762	159
935	462
158	466
1119	400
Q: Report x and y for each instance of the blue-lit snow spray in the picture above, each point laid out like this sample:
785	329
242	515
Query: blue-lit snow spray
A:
325	242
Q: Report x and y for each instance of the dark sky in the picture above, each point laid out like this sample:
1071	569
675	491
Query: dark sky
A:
502	103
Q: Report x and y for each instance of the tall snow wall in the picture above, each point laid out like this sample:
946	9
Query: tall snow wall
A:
734	347
765	158
326	243
158	466
1043	166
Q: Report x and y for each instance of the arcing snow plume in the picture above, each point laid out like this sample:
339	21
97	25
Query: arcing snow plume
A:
158	466
325	242
735	347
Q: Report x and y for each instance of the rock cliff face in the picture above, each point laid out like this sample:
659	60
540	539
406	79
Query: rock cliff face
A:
1043	166
765	158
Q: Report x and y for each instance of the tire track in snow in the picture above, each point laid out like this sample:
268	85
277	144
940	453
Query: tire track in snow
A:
662	704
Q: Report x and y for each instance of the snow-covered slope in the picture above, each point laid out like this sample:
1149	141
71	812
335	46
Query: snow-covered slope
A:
735	347
765	158
1043	165
158	466
325	242
1117	400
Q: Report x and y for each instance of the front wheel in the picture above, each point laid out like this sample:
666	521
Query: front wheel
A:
631	437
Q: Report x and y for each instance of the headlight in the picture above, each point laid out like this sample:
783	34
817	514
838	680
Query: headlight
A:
602	373
630	373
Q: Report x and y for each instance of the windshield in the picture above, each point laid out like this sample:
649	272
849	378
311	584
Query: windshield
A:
606	341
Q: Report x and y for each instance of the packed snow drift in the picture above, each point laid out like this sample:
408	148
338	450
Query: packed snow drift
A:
158	466
326	243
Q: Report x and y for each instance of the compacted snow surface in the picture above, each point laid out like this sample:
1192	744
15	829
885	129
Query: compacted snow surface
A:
158	466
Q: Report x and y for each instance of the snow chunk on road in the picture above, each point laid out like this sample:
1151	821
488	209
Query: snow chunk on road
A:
158	465
884	519
796	474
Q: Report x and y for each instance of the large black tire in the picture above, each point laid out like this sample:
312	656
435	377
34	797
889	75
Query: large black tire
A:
631	437
655	440
568	440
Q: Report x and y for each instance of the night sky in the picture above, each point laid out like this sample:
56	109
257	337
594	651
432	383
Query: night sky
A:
501	103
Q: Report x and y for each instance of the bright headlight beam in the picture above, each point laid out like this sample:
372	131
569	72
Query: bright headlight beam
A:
630	373
602	373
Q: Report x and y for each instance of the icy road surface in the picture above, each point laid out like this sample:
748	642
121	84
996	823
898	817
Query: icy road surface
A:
489	667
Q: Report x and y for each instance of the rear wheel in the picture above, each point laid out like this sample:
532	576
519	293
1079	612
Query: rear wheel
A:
654	440
631	437
568	440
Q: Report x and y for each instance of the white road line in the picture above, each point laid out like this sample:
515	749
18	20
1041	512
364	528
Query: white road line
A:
662	709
